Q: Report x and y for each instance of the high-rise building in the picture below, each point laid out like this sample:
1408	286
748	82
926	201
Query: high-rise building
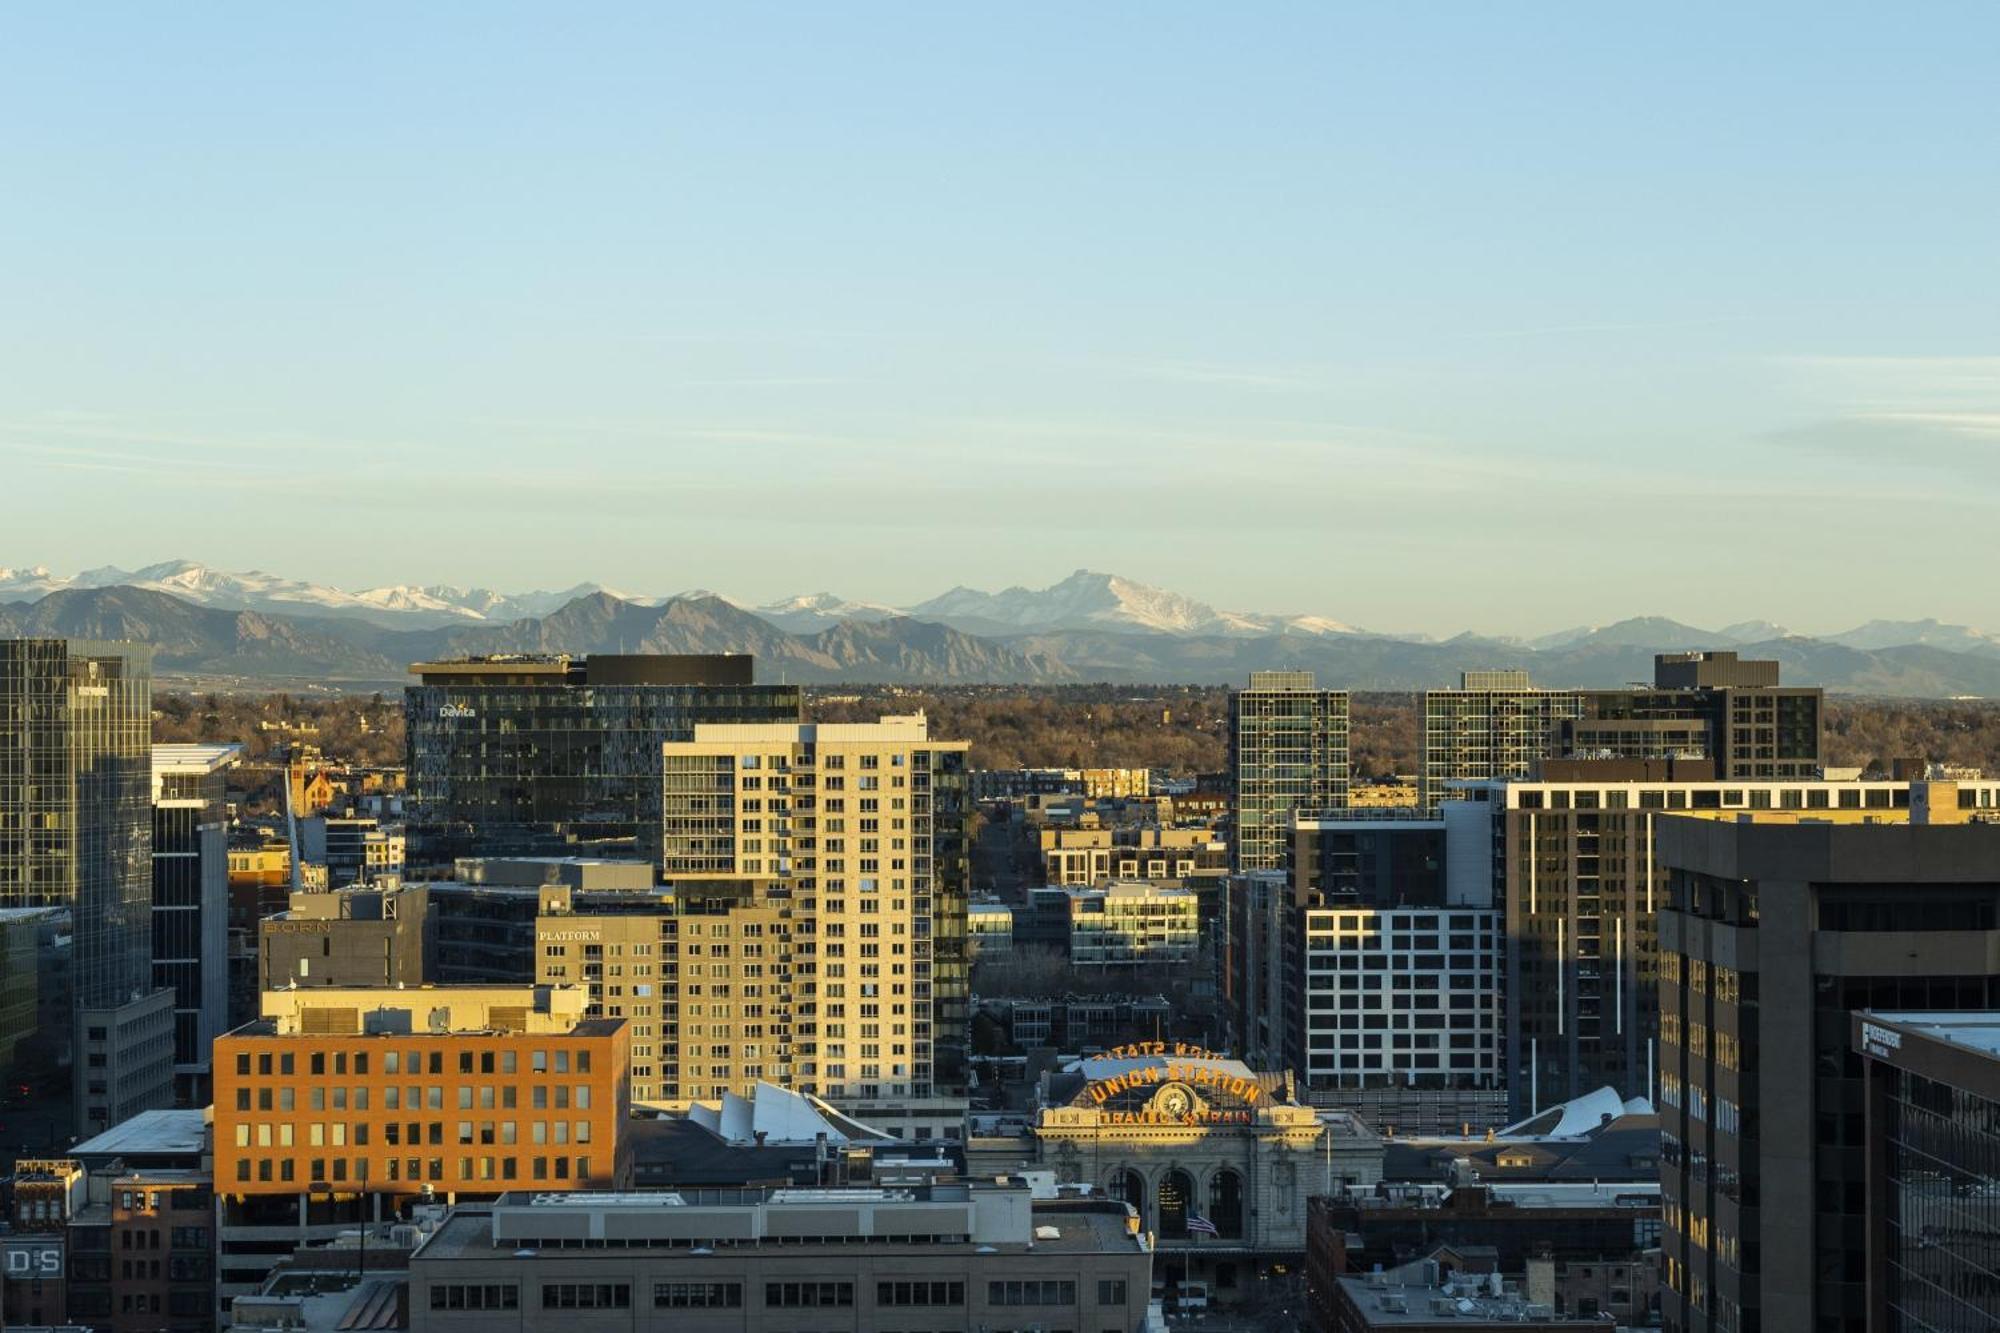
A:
1494	725
76	831
1287	755
1701	706
1579	885
533	756
619	946
1933	1135
190	925
859	830
1392	956
1770	938
1708	705
754	921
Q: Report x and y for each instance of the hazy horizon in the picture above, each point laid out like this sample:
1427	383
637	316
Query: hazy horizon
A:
630	589
1424	319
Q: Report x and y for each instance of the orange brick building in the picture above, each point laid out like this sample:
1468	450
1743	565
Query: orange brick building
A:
464	1090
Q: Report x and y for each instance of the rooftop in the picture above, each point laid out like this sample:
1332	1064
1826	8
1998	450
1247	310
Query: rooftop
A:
1128	888
1977	1031
149	1132
194	757
970	1218
1426	1293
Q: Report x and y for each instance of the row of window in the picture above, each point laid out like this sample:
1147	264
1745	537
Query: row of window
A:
398	1062
415	1097
414	1169
777	1295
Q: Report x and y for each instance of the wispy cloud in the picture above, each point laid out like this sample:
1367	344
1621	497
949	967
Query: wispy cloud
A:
1863	384
1905	415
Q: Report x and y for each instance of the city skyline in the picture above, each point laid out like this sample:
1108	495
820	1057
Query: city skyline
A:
1360	292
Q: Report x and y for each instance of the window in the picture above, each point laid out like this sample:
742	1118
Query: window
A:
697	1295
796	1295
1031	1292
1111	1291
586	1296
476	1296
920	1293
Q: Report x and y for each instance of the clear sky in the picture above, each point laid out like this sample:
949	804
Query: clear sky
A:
1499	316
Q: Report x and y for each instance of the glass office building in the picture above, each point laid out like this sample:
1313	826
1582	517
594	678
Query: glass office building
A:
1933	1134
554	756
1288	754
76	801
190	930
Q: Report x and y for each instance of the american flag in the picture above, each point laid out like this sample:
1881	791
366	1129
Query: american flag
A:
1199	1225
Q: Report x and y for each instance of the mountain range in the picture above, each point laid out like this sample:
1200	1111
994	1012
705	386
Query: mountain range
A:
262	629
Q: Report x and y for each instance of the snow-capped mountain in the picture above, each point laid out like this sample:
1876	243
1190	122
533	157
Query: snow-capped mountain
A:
811	612
1090	600
1929	633
401	605
1754	631
1087	603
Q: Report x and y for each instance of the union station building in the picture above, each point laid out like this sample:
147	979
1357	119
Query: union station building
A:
1217	1158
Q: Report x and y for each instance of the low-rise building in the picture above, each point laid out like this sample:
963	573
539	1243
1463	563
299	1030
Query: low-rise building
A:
143	1256
1216	1159
1127	923
1091	855
989	928
353	850
340	1105
349	937
1443	1291
956	1256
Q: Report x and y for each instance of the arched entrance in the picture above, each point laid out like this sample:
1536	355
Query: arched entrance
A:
1225	1204
1176	1198
1131	1187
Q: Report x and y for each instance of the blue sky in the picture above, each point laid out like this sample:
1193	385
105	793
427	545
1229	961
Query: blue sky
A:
1424	317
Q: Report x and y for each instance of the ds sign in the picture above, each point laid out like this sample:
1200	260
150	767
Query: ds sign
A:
32	1257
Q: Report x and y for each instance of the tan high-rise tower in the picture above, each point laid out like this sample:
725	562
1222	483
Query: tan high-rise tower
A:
851	839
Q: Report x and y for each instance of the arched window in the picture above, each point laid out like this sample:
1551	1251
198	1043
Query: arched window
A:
1131	1187
1176	1198
1225	1204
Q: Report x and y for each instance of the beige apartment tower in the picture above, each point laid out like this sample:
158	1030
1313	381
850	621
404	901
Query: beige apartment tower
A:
832	872
630	950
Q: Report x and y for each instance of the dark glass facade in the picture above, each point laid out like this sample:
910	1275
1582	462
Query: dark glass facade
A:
75	801
1376	863
1288	752
552	757
190	929
1941	1207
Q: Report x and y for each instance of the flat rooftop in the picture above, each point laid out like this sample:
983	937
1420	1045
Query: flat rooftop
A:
194	757
155	1132
1390	1302
1972	1030
468	1233
583	1027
